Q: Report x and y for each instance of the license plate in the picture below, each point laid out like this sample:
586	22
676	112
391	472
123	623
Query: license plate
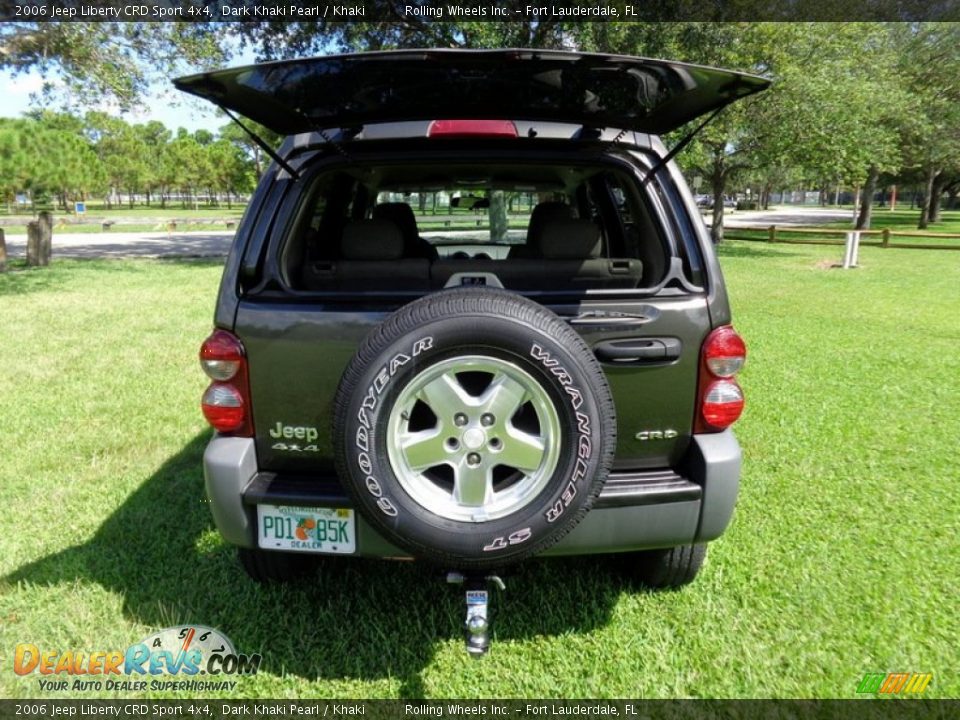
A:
306	529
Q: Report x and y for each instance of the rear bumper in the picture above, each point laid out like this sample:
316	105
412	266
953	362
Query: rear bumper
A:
635	510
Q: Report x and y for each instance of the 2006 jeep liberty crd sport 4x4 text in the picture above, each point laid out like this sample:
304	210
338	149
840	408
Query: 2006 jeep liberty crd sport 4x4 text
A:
472	315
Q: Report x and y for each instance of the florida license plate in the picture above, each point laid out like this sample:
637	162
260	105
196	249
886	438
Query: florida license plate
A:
306	529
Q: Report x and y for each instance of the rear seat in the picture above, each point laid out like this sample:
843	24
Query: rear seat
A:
371	258
568	258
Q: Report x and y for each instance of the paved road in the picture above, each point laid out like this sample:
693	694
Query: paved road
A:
216	243
802	215
131	244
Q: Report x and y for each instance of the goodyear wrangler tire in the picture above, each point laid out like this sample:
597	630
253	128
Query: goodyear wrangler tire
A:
473	428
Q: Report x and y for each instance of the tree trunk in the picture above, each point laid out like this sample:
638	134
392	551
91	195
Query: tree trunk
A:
716	224
935	194
952	197
927	195
3	252
257	161
498	216
39	240
866	199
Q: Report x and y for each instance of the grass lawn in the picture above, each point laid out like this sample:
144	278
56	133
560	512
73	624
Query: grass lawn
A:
843	558
905	220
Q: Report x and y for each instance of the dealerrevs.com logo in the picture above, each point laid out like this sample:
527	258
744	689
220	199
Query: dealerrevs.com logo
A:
187	657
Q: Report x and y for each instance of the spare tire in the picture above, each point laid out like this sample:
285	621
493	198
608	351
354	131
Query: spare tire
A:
473	428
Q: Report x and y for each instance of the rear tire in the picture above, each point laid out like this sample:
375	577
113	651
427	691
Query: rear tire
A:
670	568
268	567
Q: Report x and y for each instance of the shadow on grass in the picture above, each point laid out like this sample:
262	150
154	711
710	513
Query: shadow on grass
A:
19	278
363	619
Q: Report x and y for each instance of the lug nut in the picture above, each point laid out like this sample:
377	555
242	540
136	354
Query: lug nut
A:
487	419
452	443
495	444
459	419
473	459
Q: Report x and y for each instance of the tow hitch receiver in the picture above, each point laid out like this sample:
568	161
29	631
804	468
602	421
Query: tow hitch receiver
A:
476	627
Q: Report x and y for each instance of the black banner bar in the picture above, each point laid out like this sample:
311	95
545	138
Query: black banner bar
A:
530	11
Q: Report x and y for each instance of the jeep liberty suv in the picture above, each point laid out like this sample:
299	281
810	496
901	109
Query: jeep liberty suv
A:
472	315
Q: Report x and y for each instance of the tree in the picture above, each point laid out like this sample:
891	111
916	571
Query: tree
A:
189	164
122	151
930	72
231	170
46	161
282	40
154	137
107	61
240	139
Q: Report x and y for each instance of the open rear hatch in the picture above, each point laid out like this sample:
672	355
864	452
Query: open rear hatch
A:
650	96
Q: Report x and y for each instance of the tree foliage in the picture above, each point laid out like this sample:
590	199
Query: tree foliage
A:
852	104
114	62
62	157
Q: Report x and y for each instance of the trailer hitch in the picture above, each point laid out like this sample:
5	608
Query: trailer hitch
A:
476	627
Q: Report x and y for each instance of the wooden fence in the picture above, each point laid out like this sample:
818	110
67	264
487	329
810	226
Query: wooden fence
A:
887	237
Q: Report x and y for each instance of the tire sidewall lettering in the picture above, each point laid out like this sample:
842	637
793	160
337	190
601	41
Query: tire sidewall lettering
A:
583	441
369	404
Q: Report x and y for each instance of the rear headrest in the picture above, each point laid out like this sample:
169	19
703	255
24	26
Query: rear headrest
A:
399	213
371	240
569	240
543	213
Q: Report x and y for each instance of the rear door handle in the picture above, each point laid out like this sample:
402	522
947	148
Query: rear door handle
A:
639	350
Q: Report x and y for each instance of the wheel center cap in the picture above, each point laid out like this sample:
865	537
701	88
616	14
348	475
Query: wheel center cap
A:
474	438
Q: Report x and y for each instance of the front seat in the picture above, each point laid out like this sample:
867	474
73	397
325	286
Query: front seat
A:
401	215
542	214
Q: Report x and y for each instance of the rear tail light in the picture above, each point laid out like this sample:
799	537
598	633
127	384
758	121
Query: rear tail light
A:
472	128
221	355
722	403
720	397
226	402
724	352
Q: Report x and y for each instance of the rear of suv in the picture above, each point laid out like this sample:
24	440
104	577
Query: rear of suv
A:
471	316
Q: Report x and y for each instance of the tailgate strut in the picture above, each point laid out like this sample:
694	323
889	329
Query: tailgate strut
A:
263	145
686	140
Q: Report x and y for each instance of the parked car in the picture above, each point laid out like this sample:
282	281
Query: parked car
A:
706	201
472	398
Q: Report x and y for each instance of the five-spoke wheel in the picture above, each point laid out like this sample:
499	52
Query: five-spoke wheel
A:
473	438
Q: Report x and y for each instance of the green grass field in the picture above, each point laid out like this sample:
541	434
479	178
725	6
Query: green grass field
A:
843	557
903	218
